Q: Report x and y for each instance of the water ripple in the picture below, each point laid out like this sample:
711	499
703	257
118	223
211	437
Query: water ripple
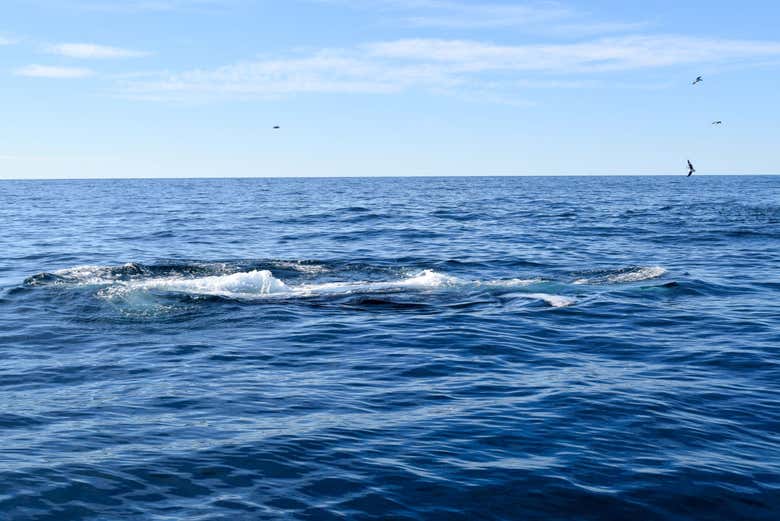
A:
416	349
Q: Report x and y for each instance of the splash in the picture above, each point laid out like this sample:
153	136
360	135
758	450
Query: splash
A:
251	284
136	285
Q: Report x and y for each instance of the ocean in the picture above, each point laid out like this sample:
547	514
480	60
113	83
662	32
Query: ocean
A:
497	348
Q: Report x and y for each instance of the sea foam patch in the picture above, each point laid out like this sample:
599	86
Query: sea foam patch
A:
638	275
425	280
556	301
250	284
136	285
623	276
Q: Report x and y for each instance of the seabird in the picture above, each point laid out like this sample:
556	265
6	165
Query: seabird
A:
691	170
717	122
698	79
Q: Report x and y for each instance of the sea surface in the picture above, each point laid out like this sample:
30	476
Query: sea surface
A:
560	348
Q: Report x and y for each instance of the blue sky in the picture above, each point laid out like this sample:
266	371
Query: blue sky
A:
191	88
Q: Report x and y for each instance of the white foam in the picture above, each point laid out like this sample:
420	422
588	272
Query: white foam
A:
248	284
626	276
511	283
427	279
260	284
556	301
310	269
637	275
89	275
79	271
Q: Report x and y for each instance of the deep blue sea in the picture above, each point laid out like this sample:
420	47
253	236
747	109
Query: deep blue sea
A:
551	348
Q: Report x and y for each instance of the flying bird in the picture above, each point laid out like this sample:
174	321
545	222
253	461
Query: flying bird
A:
717	122
277	127
691	170
698	79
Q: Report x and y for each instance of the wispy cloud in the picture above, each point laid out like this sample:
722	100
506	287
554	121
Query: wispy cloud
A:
330	71
460	15
480	68
10	157
92	51
138	6
548	17
46	71
6	41
606	54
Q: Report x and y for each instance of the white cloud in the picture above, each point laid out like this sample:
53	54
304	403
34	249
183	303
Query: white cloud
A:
131	6
607	54
322	72
45	71
6	157
6	41
548	17
461	15
452	66
92	51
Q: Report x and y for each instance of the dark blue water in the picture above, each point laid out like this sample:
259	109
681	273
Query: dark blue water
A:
445	348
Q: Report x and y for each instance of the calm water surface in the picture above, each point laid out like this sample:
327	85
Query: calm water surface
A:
409	349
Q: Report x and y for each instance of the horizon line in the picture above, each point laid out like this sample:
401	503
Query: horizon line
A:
420	176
